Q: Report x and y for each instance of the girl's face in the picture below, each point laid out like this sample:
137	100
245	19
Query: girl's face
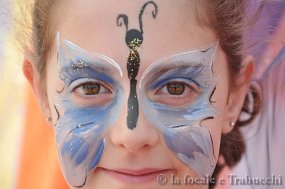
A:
137	89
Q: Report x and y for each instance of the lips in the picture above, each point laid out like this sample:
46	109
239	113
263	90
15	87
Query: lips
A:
139	172
130	176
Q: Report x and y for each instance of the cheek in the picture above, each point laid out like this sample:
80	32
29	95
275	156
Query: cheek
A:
220	101
53	85
78	135
221	94
214	126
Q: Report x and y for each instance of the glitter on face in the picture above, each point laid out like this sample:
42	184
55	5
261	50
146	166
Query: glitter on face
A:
80	129
134	39
181	124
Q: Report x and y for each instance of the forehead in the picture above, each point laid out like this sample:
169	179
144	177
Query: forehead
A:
91	24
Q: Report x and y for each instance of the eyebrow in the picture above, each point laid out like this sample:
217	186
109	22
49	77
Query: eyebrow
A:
158	63
180	71
79	63
71	73
191	59
95	65
82	57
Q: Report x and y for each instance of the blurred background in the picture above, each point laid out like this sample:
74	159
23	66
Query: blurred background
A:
27	150
12	95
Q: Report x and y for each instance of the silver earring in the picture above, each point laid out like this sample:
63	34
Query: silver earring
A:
232	124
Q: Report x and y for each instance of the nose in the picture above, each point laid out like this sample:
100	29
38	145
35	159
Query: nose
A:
142	137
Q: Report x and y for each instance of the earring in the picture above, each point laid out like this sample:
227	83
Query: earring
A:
232	124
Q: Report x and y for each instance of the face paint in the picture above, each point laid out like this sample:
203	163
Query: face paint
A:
89	109
134	39
81	128
178	116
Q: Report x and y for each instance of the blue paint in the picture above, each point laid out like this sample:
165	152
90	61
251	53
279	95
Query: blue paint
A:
97	157
82	154
182	142
72	146
188	74
181	125
70	75
80	129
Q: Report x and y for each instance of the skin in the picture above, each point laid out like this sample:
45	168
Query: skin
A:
176	24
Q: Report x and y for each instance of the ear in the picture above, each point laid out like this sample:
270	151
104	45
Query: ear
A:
238	93
32	75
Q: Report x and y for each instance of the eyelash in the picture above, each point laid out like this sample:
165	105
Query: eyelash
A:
160	95
100	98
163	96
90	83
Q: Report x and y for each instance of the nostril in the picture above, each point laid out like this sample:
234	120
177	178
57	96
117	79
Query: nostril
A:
142	138
134	148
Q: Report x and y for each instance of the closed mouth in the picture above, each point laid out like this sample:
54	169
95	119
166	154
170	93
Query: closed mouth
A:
141	176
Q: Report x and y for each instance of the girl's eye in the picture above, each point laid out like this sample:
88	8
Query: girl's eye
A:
91	89
177	93
91	93
176	88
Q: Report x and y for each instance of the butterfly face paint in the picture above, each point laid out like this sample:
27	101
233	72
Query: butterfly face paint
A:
81	127
178	116
134	39
90	101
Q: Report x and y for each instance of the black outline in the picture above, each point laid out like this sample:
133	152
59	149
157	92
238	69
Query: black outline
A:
210	99
59	92
154	13
213	147
177	126
79	126
58	115
84	183
125	20
207	118
204	51
134	39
